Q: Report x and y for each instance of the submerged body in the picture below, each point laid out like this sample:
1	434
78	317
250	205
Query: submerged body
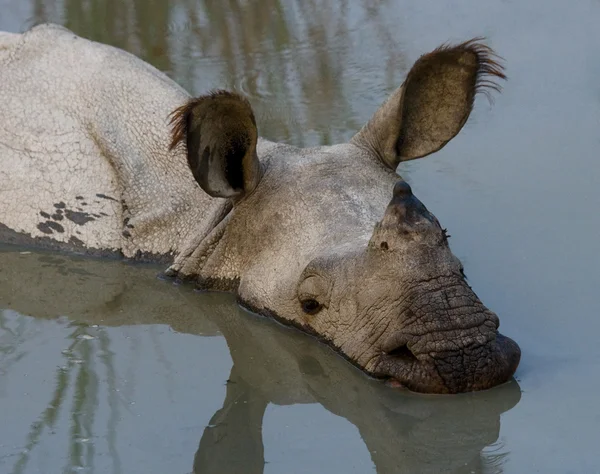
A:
329	239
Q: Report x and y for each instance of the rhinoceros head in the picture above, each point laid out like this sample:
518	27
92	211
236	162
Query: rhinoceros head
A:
332	240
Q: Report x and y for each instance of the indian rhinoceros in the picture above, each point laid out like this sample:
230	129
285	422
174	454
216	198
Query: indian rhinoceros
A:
102	153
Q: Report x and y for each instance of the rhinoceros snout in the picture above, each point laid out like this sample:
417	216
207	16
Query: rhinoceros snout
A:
473	368
447	341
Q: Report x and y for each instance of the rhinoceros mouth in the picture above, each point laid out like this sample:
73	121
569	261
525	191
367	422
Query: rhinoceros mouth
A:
465	370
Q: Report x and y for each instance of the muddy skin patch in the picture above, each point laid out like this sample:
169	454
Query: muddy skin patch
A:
49	227
149	257
76	246
79	218
214	284
56	226
76	242
104	196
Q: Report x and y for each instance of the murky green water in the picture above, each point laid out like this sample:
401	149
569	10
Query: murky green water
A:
106	369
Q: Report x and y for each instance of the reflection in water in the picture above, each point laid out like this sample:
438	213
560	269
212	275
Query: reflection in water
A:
78	376
403	432
232	442
299	69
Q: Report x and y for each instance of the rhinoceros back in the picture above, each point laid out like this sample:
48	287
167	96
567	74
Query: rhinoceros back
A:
84	158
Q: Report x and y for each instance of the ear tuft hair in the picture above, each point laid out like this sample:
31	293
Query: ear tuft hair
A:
180	118
489	67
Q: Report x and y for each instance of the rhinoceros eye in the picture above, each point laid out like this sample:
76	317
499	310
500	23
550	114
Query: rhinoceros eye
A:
311	306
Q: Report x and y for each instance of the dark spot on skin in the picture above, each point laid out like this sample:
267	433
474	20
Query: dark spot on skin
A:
104	196
57	217
79	198
43	227
80	209
59	211
56	226
130	226
84	203
79	218
126	233
45	215
127	224
384	245
60	205
75	241
97	216
104	214
77	232
49	226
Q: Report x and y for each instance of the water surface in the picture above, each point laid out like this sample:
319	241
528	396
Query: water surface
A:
104	368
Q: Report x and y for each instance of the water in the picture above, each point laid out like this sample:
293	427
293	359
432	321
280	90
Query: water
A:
104	368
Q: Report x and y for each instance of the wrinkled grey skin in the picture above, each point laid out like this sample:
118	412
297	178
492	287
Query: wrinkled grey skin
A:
329	239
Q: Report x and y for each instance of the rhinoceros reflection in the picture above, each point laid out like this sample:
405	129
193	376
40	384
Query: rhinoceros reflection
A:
404	432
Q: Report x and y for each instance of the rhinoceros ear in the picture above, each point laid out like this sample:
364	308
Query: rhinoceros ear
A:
220	134
433	104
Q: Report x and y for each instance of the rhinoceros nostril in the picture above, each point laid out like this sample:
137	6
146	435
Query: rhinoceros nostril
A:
402	352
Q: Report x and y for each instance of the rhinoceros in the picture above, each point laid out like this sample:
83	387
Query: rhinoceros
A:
101	153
